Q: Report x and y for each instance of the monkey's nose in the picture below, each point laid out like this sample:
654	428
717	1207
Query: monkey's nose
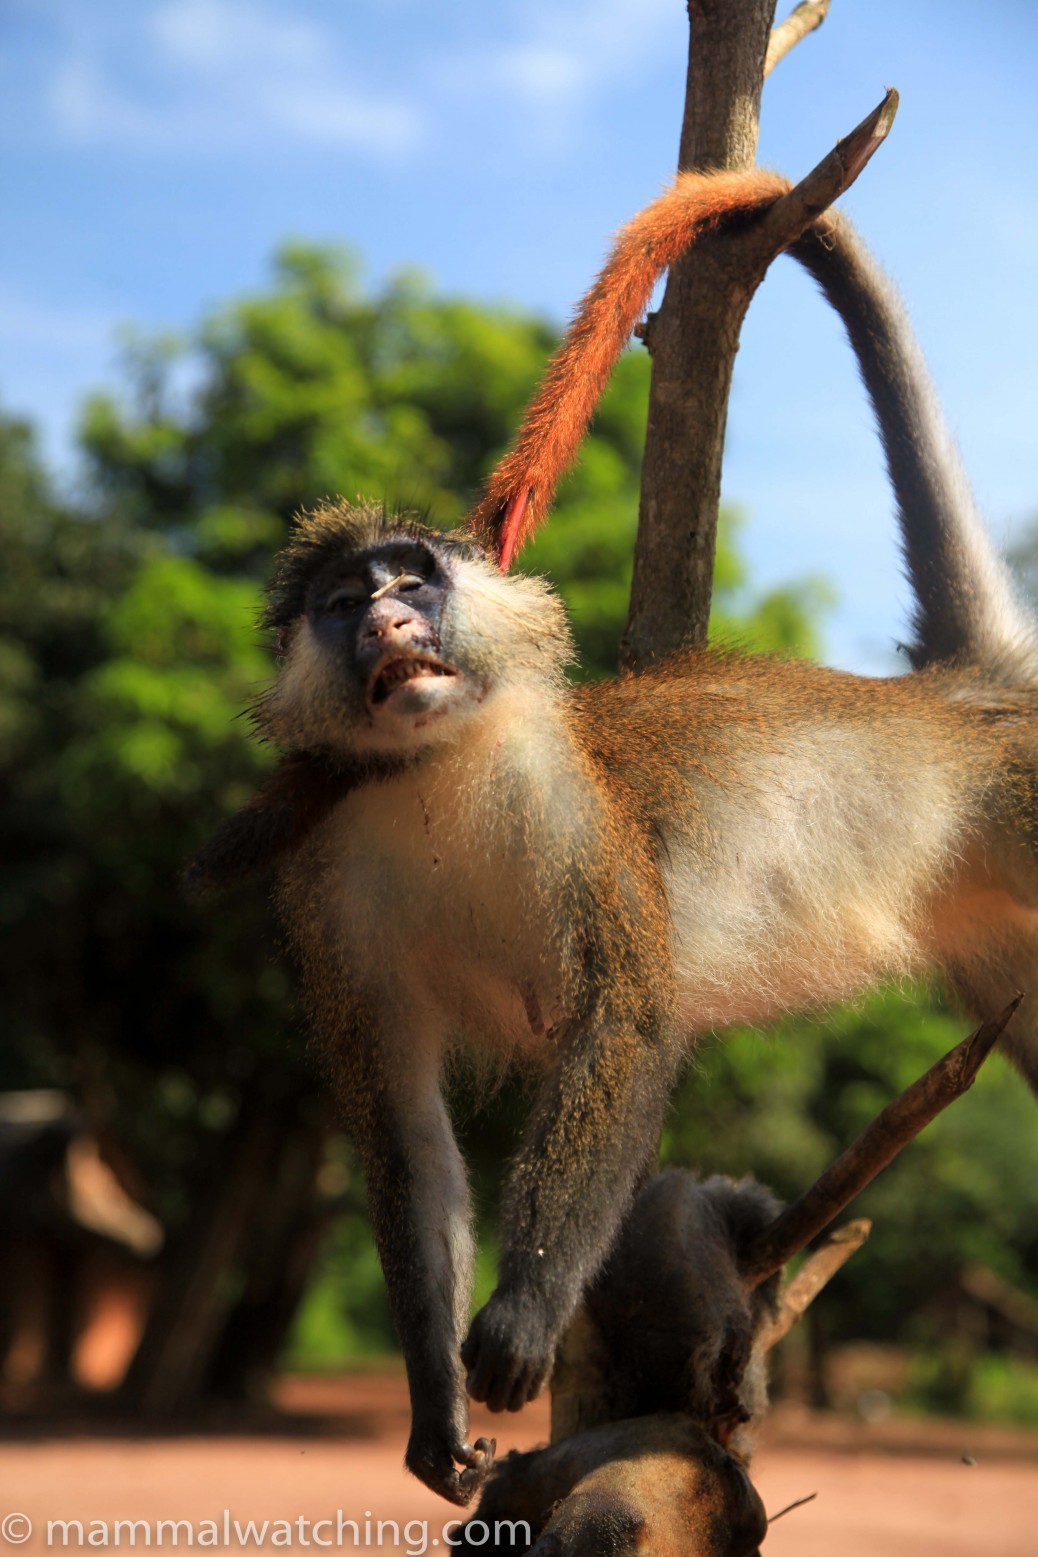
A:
395	627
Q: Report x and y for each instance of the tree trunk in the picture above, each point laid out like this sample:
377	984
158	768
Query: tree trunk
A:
693	340
284	1245
233	1279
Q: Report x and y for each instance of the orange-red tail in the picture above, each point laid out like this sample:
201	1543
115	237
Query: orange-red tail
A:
519	492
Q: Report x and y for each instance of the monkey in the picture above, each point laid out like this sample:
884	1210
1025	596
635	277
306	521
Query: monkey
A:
470	851
671	1310
672	1385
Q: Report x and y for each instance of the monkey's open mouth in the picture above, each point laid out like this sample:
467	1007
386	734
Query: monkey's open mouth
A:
395	673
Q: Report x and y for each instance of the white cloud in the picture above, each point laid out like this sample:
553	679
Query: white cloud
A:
215	34
563	52
214	77
332	116
221	75
86	108
539	71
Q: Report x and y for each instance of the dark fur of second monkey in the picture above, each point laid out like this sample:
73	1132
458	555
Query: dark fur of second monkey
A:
670	1299
672	1340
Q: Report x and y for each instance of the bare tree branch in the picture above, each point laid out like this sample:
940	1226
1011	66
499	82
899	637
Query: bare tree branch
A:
803	19
816	1272
578	1381
788	217
877	1145
799	1503
693	345
988	1287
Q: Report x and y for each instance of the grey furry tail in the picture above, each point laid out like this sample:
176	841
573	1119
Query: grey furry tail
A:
966	609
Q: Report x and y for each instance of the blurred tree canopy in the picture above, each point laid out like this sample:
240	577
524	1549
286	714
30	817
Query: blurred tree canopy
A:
128	652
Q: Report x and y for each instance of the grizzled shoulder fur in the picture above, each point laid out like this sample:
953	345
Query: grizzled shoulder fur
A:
302	790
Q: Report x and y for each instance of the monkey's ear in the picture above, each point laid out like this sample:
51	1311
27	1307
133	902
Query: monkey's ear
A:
511	528
276	821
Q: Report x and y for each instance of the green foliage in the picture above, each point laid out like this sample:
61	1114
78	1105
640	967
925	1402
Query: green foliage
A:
330	1332
986	1387
784	1105
312	390
315	390
345	1316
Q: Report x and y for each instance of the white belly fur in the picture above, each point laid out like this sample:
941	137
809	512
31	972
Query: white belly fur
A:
432	875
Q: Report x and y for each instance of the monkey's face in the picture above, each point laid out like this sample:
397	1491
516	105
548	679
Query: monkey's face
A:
401	643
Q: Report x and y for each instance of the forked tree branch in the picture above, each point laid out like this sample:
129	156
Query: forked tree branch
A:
803	19
816	1272
711	289
877	1145
787	219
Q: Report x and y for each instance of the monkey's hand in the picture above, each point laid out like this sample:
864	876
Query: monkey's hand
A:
509	1351
434	1457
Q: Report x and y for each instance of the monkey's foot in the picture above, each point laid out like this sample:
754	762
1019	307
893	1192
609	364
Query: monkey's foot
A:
435	1459
509	1353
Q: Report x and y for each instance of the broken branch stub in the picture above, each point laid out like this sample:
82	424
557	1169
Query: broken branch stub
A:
832	177
878	1144
817	1271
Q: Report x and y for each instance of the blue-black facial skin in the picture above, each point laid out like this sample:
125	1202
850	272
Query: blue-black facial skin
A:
348	621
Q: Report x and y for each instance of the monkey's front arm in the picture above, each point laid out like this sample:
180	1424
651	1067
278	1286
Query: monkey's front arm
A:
593	1135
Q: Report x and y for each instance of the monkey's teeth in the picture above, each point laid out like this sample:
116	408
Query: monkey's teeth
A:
399	671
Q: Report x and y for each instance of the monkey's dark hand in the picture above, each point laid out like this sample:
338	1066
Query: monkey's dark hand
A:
509	1352
434	1457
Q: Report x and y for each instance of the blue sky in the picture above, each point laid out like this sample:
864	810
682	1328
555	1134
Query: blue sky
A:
153	153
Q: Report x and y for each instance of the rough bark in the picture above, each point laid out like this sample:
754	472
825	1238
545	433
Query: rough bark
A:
698	322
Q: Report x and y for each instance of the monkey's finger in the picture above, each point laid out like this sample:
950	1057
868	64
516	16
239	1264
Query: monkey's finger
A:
493	1379
519	1394
526	1388
507	1386
451	1483
479	1361
479	1458
492	1388
485	1448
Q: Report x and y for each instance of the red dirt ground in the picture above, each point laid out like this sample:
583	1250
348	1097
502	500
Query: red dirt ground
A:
894	1490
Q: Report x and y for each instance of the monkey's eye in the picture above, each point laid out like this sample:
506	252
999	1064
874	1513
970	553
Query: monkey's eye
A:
400	584
350	593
